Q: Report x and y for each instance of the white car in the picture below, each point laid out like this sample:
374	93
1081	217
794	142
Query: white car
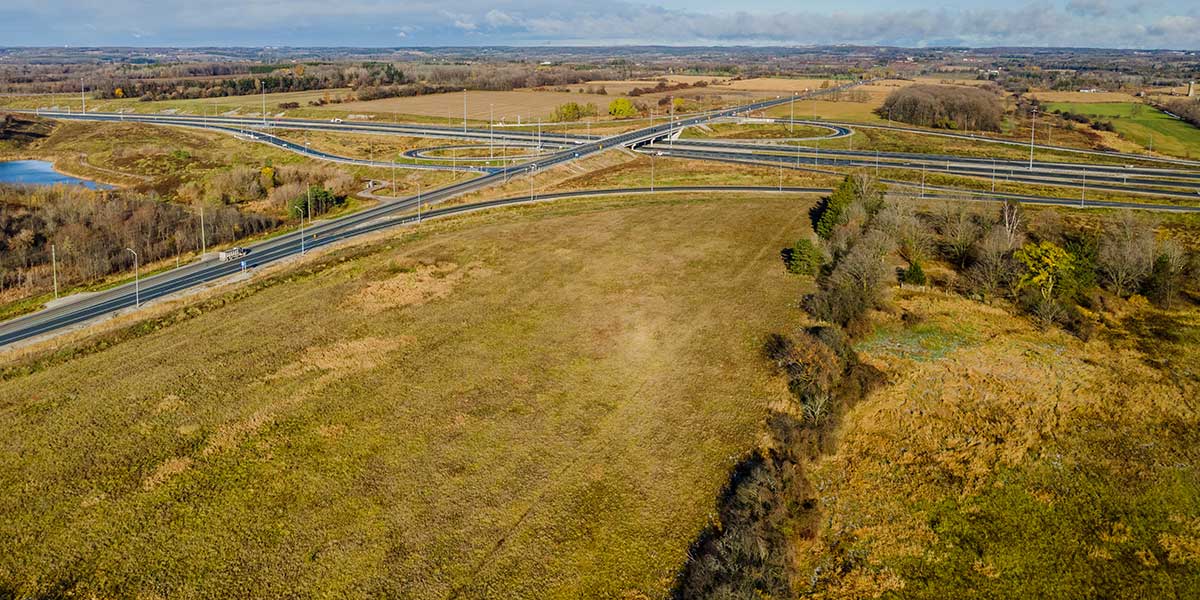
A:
335	120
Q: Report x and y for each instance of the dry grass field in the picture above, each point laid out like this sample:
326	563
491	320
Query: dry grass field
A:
539	402
1017	461
1088	97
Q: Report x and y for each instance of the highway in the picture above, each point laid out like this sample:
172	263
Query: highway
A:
994	140
292	243
1142	181
405	129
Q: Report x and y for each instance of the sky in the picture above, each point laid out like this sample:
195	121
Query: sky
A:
1171	24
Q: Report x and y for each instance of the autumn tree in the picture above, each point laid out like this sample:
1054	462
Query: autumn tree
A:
1046	265
622	108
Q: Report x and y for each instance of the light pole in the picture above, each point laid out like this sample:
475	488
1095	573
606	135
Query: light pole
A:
54	268
491	132
1032	129
531	170
651	171
792	120
418	201
82	97
464	110
203	240
137	292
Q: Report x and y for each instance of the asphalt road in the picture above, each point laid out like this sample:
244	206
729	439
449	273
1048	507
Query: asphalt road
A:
1093	177
289	244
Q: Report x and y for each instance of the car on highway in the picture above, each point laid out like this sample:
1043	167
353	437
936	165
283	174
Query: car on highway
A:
335	120
232	254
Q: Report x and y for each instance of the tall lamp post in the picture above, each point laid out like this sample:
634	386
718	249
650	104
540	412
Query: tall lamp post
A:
137	292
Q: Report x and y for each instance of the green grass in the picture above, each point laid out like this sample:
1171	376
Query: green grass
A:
552	414
1141	124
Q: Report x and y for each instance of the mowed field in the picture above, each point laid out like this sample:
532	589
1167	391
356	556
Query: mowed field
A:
540	402
844	110
1143	125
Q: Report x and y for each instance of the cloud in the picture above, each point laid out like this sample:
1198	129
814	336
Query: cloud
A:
1089	8
1137	23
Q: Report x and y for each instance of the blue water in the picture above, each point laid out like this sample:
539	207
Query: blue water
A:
40	172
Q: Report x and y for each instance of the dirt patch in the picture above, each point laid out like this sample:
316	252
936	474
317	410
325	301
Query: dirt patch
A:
166	470
413	286
349	356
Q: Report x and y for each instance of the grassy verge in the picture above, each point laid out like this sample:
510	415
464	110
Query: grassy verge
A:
522	405
996	446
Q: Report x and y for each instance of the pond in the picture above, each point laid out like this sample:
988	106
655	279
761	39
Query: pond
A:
40	172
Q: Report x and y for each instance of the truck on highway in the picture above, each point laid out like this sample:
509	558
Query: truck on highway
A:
232	254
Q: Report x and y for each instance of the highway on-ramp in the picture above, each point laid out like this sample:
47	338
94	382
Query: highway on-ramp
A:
64	315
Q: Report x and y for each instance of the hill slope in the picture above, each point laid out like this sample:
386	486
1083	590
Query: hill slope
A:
542	402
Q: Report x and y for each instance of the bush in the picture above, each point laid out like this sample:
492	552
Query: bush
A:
622	108
913	275
804	258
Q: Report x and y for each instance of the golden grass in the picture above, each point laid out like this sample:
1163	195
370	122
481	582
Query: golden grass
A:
557	425
990	425
508	107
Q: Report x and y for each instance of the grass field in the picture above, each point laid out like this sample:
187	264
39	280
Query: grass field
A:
146	156
1144	125
1004	461
752	131
538	402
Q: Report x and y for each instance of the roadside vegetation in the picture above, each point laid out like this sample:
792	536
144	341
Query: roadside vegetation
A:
570	409
949	436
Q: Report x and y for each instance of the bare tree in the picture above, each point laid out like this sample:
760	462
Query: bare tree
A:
1126	252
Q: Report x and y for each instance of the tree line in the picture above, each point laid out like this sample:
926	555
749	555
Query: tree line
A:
945	107
90	231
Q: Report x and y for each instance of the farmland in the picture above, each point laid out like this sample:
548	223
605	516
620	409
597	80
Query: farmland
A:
1144	125
521	404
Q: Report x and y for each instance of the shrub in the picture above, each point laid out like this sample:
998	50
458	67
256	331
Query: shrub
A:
804	258
622	108
913	275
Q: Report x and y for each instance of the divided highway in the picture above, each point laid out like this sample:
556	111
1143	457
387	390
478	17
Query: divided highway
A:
84	309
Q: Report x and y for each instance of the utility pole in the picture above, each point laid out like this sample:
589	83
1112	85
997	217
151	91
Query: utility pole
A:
1032	128
137	293
464	110
203	242
54	268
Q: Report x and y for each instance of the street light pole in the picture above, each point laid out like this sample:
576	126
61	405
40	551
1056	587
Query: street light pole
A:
137	292
82	97
1032	129
54	268
464	110
418	201
651	171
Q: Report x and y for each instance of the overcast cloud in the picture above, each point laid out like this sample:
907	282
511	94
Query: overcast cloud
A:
1085	23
